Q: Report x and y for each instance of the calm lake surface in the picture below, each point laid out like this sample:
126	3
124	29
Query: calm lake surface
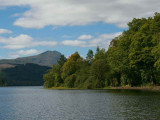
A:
35	103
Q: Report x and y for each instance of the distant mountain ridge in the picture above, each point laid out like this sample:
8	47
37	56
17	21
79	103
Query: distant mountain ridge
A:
47	58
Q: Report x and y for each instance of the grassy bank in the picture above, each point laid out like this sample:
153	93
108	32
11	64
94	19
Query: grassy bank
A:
150	88
66	88
62	88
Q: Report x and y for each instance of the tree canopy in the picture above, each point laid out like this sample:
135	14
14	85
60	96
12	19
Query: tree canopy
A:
133	59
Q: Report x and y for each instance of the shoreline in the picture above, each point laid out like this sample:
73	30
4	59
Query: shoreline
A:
147	88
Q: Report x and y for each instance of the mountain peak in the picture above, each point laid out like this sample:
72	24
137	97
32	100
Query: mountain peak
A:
47	58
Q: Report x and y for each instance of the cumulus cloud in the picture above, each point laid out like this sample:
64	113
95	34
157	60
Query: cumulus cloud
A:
23	41
74	43
23	53
4	31
102	40
28	52
85	37
81	12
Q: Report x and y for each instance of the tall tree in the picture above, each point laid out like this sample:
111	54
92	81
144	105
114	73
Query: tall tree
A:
98	49
2	82
89	56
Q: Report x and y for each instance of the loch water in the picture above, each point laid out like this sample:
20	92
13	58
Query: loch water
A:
36	103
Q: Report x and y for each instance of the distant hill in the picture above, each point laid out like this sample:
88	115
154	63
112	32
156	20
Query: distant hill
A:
24	75
47	58
27	71
4	66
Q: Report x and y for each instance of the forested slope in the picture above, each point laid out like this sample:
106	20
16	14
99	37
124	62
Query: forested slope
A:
23	75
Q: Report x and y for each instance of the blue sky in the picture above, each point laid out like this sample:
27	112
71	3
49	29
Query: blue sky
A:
29	27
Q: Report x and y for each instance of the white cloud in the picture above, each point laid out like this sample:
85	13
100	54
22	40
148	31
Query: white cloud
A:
44	43
74	43
67	36
23	41
28	52
3	31
17	15
13	56
81	12
102	41
23	53
85	37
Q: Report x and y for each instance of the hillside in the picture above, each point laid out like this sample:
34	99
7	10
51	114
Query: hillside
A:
27	71
4	66
24	75
47	58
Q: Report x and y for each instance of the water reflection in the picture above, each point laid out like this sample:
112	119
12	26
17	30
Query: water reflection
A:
34	103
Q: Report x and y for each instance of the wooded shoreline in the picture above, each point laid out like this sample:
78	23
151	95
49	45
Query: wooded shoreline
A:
132	59
148	88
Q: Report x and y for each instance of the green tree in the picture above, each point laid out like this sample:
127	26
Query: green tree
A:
98	49
62	60
89	56
70	67
53	77
2	82
100	55
98	70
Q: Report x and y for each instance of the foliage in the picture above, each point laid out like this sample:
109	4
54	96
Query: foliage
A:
133	59
89	56
24	75
53	76
2	82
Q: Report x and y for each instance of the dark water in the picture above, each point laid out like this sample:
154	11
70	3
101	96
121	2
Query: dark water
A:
34	103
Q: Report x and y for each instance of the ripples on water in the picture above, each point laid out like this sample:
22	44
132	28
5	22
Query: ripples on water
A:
34	103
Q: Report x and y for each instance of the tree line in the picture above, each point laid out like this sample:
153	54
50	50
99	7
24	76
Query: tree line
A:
133	59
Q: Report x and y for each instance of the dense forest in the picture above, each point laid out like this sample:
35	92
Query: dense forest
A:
133	59
23	75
